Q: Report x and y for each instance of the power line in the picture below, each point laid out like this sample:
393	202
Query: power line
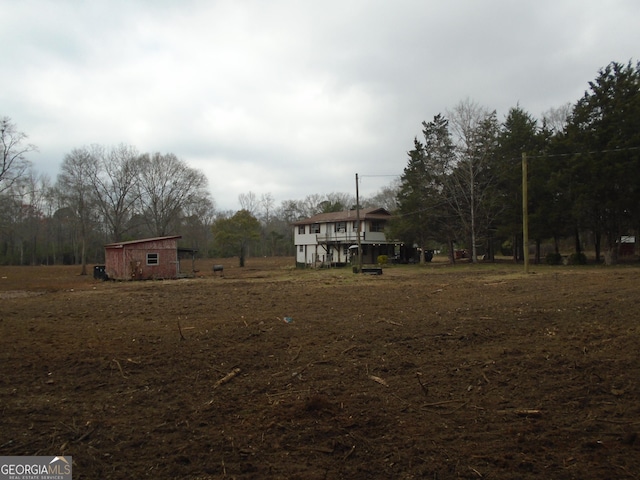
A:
396	175
573	154
549	155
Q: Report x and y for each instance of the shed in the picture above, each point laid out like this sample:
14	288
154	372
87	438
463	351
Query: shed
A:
627	245
148	258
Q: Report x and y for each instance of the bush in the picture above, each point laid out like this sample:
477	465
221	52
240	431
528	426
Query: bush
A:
506	248
554	259
577	259
383	259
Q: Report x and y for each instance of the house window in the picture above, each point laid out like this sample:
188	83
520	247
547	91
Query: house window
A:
341	227
152	259
301	229
377	226
315	228
301	248
345	250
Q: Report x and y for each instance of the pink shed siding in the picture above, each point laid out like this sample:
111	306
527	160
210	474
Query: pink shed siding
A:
128	260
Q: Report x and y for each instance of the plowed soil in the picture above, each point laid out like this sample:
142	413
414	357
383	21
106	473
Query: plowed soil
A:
267	372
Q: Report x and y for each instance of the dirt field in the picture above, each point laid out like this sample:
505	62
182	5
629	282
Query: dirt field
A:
430	372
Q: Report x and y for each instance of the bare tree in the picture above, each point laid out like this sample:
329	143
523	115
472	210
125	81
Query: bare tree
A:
268	204
556	119
386	197
14	163
167	187
78	194
249	202
291	211
312	204
196	223
475	131
30	193
115	182
339	202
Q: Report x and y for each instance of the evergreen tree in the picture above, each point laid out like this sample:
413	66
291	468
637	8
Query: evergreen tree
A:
237	232
518	135
605	128
423	213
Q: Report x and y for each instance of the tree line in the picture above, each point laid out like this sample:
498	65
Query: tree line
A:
111	194
462	185
460	188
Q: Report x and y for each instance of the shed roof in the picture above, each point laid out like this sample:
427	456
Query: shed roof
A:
142	240
347	215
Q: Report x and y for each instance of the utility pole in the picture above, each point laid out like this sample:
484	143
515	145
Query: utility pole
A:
525	214
358	226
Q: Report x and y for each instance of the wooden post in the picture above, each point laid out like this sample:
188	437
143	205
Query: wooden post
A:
525	214
358	226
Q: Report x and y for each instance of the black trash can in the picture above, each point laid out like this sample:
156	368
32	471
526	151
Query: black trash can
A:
100	273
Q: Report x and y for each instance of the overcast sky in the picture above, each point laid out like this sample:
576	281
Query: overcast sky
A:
290	97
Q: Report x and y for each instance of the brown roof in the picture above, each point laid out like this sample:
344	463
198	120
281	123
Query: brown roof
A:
348	215
142	240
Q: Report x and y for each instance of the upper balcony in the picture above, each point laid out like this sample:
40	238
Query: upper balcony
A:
350	237
340	236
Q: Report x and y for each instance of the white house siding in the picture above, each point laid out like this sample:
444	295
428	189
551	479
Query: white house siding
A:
325	246
337	232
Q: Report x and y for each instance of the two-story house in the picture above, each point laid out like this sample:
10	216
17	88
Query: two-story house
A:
332	238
